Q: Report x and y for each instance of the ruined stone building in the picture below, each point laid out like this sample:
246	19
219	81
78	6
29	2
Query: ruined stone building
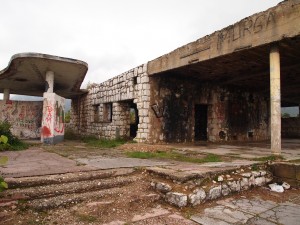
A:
222	87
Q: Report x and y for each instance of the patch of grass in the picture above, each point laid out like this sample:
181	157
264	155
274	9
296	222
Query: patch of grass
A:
103	143
174	156
86	218
268	158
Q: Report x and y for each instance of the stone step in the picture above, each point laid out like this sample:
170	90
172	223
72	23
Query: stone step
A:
66	178
48	191
67	200
200	188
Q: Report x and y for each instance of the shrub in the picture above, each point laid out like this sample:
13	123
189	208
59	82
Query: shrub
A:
7	140
3	184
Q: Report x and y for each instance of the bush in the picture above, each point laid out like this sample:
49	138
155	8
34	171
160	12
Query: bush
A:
10	142
3	184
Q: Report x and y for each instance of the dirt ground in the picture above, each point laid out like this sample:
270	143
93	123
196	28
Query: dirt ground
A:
123	205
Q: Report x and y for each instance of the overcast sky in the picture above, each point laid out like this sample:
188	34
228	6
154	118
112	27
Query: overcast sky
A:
113	36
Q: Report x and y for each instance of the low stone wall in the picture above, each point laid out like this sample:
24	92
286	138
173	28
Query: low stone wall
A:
195	192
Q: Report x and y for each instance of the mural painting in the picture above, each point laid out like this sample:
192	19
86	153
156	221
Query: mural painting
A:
24	116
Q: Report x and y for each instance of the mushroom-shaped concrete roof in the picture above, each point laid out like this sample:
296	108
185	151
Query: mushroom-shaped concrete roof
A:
26	72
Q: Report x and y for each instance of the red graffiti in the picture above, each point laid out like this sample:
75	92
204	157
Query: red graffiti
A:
60	131
49	114
46	131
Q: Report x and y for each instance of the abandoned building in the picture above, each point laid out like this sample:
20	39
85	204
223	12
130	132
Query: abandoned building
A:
226	86
55	78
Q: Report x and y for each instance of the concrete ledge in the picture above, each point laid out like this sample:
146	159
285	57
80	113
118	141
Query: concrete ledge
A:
288	172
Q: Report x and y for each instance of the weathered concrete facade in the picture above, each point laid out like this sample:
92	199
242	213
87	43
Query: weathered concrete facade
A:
226	86
225	114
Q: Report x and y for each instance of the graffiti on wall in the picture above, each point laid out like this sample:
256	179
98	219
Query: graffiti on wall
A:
24	116
54	116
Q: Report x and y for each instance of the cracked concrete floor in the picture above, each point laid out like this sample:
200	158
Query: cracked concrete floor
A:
250	211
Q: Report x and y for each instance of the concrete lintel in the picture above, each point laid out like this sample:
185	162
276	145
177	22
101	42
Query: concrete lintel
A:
277	23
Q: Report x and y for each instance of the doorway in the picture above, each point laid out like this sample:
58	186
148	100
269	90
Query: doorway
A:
201	122
134	120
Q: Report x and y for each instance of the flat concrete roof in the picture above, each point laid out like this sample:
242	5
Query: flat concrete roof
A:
26	72
238	55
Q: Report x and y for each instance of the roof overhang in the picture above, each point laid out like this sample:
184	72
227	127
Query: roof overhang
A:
238	55
26	72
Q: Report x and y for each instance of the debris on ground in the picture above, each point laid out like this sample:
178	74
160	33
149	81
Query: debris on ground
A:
279	186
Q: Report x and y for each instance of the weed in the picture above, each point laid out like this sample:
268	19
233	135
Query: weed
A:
8	140
86	218
268	158
254	167
103	143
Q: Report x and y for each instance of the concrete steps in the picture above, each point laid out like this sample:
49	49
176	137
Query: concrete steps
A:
66	189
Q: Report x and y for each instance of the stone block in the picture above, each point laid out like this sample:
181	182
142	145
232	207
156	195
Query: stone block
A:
284	170
177	199
255	173
225	190
197	197
215	192
251	181
244	183
234	186
260	181
248	175
140	69
145	79
163	187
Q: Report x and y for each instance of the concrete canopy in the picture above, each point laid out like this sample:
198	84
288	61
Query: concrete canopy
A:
238	55
25	75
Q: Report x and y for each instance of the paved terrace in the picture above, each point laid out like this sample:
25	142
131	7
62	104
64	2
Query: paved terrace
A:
36	161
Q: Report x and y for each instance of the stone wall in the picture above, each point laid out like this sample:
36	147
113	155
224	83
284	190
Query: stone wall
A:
104	111
231	114
24	116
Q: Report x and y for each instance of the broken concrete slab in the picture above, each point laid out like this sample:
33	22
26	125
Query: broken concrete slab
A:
118	162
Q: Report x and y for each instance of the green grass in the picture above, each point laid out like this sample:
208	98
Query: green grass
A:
86	218
103	143
268	158
174	156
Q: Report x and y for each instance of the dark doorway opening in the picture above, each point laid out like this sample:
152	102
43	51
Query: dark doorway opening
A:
201	122
134	120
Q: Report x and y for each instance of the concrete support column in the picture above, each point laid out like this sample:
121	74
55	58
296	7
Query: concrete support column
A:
49	81
275	101
6	94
